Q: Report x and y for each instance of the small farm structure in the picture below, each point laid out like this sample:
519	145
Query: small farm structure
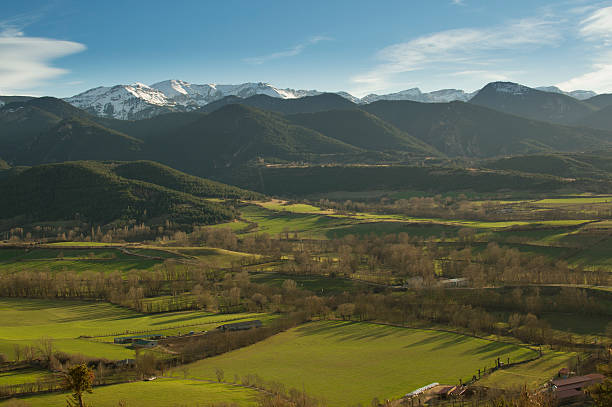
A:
144	343
240	326
133	339
572	389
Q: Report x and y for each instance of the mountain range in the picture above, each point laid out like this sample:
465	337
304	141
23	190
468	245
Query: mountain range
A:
283	142
234	133
138	101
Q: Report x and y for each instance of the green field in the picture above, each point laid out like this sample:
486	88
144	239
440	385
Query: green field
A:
317	284
157	393
530	374
308	225
24	321
57	259
348	363
28	375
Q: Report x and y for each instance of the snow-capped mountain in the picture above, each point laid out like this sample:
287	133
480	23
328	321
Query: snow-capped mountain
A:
124	102
576	94
139	101
415	94
188	94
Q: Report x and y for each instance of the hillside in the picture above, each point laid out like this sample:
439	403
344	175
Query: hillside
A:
573	165
307	104
601	119
363	130
465	129
534	104
600	101
237	134
325	179
75	139
91	191
155	173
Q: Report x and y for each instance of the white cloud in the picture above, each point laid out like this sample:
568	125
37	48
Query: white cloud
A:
25	62
598	26
598	80
293	51
458	2
459	49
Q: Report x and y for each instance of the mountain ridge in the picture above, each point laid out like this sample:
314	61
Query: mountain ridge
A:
140	101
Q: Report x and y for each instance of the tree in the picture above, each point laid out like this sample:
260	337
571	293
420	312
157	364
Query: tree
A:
601	393
220	374
78	380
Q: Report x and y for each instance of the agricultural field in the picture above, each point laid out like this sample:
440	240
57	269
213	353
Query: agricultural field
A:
163	392
404	359
88	327
27	375
84	259
317	284
296	219
531	374
276	222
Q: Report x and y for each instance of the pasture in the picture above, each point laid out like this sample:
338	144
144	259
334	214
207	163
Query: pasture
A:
531	374
88	327
348	363
157	393
83	259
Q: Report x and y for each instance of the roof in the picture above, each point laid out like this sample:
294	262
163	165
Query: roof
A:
578	380
567	393
443	389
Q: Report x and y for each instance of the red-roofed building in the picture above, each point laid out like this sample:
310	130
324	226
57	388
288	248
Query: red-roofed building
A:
571	389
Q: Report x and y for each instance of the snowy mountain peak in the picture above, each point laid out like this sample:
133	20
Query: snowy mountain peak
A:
577	94
415	94
509	87
138	101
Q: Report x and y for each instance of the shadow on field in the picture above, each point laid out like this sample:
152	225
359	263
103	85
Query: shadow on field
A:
350	330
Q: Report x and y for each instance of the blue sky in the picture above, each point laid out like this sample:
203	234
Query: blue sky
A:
63	47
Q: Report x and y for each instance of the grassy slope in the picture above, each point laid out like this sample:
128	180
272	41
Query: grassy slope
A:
158	393
24	321
404	359
88	258
531	374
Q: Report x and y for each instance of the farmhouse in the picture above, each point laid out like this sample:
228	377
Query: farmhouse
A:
240	326
572	389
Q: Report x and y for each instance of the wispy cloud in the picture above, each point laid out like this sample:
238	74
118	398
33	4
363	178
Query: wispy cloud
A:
458	2
293	51
596	29
458	49
25	62
598	26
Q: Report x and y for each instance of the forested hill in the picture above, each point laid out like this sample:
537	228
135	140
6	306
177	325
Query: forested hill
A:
105	192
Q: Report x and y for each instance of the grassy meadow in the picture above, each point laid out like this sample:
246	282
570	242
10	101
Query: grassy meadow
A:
348	363
88	327
531	374
157	393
